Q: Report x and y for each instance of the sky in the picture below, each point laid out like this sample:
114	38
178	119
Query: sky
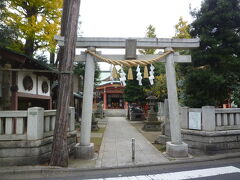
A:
130	18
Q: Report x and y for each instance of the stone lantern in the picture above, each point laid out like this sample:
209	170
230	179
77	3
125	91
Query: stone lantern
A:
152	123
152	115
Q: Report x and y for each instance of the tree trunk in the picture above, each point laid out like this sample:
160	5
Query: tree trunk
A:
30	40
52	58
29	47
63	28
59	156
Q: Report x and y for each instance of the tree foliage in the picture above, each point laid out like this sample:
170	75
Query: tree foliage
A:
209	92
133	93
150	33
8	35
215	75
182	29
35	23
159	89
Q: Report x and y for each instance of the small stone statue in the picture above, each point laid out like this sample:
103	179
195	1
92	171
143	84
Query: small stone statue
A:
99	111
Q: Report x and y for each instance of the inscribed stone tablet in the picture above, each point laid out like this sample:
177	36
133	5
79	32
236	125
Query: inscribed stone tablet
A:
195	120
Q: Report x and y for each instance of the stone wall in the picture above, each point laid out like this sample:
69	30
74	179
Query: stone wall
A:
219	130
26	136
203	142
15	153
115	112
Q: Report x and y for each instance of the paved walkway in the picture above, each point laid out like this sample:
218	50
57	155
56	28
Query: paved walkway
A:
116	148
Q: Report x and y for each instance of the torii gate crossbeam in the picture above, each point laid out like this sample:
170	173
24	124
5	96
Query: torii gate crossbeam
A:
142	43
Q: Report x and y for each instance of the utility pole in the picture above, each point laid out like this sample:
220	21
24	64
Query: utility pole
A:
59	156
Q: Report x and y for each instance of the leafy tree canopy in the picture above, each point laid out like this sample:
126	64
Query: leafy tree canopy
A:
182	29
150	33
217	60
35	22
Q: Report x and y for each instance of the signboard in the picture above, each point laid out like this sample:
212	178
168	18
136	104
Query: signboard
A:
195	120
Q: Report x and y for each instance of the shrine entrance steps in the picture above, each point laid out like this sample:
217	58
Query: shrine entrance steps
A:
115	112
116	148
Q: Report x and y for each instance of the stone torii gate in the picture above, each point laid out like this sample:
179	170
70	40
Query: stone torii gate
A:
175	148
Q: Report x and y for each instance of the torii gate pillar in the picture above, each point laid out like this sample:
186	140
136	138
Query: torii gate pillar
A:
175	148
85	149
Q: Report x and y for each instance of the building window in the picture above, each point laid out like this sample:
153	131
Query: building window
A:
45	87
28	83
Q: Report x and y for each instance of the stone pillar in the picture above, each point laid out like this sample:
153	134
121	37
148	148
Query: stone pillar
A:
208	118
160	109
175	148
72	119
35	121
104	99
131	46
184	117
85	149
167	131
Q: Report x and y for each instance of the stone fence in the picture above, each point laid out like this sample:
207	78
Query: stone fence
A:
26	136
208	130
209	118
211	130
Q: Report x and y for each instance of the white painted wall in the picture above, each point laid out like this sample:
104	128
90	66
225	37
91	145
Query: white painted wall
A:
40	81
21	75
37	83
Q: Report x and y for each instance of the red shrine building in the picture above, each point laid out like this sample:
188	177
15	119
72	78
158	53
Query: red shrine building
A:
111	94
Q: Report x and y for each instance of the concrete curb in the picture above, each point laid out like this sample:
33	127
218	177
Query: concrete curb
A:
51	171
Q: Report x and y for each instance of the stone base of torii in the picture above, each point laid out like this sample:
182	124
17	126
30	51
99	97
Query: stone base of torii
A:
175	147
